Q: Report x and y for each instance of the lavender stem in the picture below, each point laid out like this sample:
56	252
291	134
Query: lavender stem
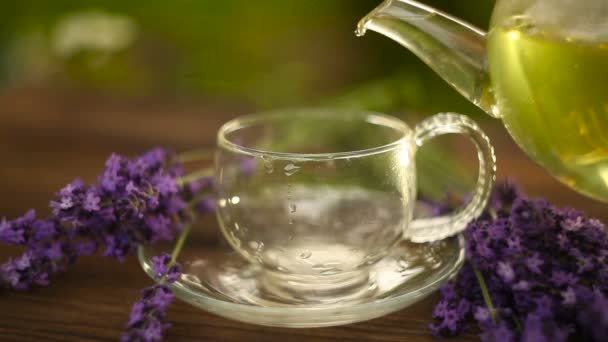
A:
484	292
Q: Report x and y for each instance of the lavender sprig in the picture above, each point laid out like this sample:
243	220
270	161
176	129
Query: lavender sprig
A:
135	201
534	272
147	322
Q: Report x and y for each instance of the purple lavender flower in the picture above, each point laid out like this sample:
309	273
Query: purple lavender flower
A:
534	262
165	269
440	309
498	333
19	230
136	201
148	318
505	271
560	278
539	328
132	204
91	201
522	285
569	296
533	216
544	269
24	271
482	315
594	318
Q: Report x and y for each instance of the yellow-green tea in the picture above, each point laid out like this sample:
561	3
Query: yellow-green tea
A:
553	95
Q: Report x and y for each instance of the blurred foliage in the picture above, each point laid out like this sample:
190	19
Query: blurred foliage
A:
267	53
272	53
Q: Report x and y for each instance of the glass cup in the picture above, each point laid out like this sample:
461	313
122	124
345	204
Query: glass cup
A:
314	198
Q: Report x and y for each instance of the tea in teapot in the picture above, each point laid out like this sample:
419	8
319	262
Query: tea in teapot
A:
542	68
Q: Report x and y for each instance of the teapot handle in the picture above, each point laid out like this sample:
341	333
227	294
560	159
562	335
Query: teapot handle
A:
437	228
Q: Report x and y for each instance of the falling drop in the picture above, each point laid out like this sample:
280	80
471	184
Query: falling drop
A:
292	208
305	254
290	220
267	164
291	169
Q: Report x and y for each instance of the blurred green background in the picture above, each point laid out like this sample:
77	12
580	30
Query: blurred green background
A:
63	61
268	53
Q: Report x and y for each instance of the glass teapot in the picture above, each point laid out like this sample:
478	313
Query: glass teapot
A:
542	68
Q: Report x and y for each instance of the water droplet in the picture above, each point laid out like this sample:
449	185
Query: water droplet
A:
268	164
292	208
290	237
257	246
330	271
290	221
291	169
236	226
305	254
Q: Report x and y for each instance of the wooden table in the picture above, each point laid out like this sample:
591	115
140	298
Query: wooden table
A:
47	138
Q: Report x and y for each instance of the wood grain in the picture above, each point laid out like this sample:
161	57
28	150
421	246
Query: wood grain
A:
47	138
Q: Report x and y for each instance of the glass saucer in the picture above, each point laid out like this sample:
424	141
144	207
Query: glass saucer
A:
218	280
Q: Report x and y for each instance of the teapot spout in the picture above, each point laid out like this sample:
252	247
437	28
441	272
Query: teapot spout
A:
453	48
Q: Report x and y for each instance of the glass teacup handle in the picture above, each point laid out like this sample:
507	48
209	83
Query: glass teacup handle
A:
437	228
